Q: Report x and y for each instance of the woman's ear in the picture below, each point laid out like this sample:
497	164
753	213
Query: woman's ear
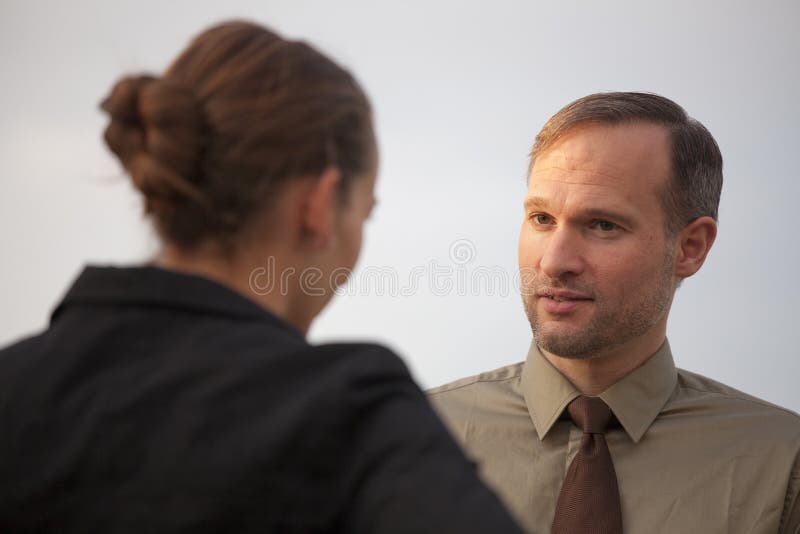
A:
318	213
693	244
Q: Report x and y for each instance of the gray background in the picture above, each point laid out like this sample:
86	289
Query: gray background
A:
460	89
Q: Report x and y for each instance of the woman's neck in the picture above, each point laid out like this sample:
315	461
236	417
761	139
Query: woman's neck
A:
256	280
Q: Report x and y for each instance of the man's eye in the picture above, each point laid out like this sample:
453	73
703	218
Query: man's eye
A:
605	226
541	218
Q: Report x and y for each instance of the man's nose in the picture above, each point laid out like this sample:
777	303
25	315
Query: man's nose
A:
562	254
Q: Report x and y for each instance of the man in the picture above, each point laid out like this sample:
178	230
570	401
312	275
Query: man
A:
597	431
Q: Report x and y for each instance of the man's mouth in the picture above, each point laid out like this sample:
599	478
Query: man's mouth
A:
562	295
561	301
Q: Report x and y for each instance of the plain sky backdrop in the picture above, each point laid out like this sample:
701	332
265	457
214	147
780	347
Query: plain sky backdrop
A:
460	89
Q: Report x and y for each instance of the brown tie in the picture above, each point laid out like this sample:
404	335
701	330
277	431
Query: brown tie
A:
589	499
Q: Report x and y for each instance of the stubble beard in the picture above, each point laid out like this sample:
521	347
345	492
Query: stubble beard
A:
608	327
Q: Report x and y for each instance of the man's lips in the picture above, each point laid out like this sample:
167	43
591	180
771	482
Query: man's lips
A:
562	294
561	301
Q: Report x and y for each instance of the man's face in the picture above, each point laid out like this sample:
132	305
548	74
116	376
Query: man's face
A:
596	265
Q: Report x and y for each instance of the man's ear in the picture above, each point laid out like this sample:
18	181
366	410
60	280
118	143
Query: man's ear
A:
320	207
693	244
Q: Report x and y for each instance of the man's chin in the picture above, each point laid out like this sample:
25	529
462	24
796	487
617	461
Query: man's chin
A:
572	344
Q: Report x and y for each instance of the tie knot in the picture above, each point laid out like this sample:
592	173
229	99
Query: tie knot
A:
590	414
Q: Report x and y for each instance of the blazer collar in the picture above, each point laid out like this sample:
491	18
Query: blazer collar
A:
152	286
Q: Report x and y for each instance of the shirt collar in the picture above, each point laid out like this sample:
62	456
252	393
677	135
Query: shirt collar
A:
152	286
635	400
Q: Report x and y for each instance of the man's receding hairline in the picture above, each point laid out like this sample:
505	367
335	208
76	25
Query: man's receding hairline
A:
585	124
593	123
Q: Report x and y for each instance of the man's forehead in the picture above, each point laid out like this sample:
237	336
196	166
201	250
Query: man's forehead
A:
606	154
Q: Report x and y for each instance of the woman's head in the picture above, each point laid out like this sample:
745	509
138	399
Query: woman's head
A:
251	146
239	114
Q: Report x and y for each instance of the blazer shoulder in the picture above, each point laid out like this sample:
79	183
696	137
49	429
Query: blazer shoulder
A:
366	357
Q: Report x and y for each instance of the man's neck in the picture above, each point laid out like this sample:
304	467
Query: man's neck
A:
593	375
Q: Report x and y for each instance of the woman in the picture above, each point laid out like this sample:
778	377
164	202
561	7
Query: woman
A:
182	395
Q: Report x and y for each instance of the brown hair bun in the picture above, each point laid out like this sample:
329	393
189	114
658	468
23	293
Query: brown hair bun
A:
238	114
157	132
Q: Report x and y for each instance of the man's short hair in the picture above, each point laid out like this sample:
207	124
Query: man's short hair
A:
696	181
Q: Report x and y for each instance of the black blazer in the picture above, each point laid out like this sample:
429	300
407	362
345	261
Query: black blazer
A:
163	402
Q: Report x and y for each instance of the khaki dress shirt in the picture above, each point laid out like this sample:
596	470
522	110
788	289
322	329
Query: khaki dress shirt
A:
691	455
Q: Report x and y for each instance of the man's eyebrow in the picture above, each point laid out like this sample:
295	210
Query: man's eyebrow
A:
535	202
